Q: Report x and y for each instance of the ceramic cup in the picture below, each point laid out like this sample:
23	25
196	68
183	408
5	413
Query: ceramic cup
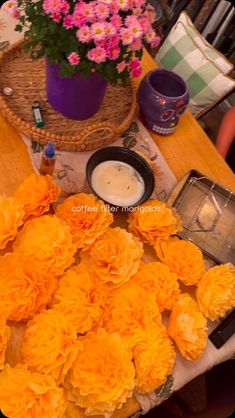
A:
163	98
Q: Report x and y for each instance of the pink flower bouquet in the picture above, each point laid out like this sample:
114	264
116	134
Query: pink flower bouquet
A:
97	36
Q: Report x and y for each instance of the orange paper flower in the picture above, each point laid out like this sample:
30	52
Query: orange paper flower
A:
11	217
216	291
4	335
154	359
77	298
188	327
183	258
131	311
87	217
103	375
29	395
154	222
48	241
24	287
49	344
36	193
115	256
157	278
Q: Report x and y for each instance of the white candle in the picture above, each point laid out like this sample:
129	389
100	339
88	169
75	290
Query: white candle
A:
118	183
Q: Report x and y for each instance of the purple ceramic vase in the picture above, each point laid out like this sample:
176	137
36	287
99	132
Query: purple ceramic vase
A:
163	98
75	97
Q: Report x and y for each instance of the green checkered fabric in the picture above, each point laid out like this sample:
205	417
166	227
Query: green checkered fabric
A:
200	68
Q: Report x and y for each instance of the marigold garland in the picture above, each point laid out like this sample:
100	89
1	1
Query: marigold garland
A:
188	327
87	217
157	278
154	359
115	256
78	299
29	395
183	258
11	218
103	375
24	287
131	312
48	240
49	345
216	291
36	193
154	222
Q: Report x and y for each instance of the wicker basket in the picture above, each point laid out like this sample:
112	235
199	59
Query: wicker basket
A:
27	80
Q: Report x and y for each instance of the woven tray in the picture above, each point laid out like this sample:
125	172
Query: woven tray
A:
27	79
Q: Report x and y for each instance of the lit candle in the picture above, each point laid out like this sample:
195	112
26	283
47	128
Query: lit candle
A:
118	183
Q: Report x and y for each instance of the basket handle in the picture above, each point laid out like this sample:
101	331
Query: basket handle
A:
99	127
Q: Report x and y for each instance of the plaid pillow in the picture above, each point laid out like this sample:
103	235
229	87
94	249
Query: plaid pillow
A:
201	68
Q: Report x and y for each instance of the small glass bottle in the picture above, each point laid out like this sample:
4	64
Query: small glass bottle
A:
37	113
48	159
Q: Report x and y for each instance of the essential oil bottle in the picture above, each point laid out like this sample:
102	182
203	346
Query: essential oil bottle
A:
48	159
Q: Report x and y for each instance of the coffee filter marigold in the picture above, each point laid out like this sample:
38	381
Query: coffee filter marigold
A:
154	359
115	256
87	217
48	241
154	222
103	375
11	218
157	278
49	345
78	298
36	193
216	291
24	286
131	311
29	395
188	327
183	258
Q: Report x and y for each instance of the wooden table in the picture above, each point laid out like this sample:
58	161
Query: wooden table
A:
188	148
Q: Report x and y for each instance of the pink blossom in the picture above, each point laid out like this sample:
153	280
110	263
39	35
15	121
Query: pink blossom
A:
97	54
127	36
110	29
131	20
138	3
135	68
136	45
122	4
74	58
135	30
145	24
86	10
84	34
155	42
68	22
11	7
152	38
98	31
64	7
137	11
121	66
102	11
54	6
115	39
113	52
56	17
79	19
150	15
116	20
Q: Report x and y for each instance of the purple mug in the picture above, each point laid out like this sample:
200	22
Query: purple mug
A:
163	98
